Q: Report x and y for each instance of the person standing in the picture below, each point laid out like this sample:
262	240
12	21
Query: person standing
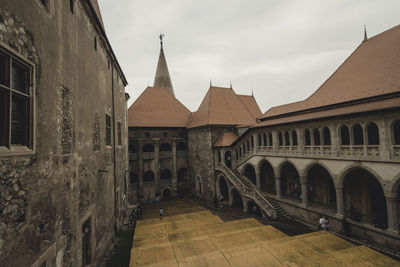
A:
161	213
321	223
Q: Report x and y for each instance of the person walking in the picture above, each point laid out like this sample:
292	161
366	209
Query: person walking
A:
161	213
327	226
321	223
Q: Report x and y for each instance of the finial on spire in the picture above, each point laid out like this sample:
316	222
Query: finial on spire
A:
365	33
252	93
210	83
161	40
230	84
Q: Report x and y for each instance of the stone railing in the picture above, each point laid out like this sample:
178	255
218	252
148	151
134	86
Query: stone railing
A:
181	154
247	191
396	151
165	154
148	155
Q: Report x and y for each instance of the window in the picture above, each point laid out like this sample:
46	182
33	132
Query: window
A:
280	139
45	3
287	139
148	148
294	138
95	44
165	134
358	135
71	5
327	136
317	138
15	102
165	147
181	146
147	134
108	130
396	133
270	138
119	134
259	140
86	259
265	139
307	137
373	134
252	142
345	136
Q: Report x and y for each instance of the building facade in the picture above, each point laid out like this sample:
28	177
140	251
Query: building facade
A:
63	134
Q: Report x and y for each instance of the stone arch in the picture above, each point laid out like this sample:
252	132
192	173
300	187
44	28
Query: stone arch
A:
349	168
148	147
223	188
294	138
372	133
236	199
290	180
320	185
165	147
358	134
148	176
166	193
307	137
395	186
250	173
317	137
267	176
344	135
395	130
364	198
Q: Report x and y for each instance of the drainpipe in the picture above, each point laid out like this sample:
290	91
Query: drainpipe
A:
113	143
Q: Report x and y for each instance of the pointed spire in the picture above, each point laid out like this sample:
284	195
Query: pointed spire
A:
365	34
230	84
252	93
162	78
210	83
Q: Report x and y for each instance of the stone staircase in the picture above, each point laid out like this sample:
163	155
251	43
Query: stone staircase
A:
250	191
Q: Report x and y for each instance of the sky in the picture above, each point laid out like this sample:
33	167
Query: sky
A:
281	50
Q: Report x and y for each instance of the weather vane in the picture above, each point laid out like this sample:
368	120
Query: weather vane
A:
161	39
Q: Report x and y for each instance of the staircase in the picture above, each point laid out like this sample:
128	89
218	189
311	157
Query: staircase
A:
248	190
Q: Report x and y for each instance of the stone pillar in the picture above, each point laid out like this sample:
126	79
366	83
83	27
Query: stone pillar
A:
391	204
140	170
278	187
258	179
174	174
245	206
157	166
255	137
335	142
384	139
339	201
304	193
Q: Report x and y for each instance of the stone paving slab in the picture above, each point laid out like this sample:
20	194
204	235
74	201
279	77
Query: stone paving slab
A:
213	259
155	254
254	257
189	248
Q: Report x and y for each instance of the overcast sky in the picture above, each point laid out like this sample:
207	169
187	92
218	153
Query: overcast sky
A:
282	50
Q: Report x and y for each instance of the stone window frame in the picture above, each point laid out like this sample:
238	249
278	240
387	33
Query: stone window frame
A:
30	149
108	129
90	214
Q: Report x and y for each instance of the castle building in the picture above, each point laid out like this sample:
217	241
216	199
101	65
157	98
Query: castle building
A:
336	153
63	134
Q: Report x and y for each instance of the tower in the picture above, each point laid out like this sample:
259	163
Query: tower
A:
162	79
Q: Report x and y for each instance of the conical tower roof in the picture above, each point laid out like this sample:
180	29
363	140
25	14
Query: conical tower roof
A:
162	79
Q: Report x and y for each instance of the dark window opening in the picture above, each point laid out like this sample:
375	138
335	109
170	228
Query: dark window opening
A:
165	134
148	176
95	44
182	175
133	178
327	136
280	139
45	3
252	142
71	5
86	257
259	140
148	148
132	148
294	138
358	135
165	147
345	136
165	174
219	156
307	137
108	130
373	134
265	139
396	132
317	138
119	134
181	146
270	139
287	139
147	134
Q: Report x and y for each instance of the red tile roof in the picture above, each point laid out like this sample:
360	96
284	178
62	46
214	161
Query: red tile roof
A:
226	139
221	106
251	105
373	69
156	107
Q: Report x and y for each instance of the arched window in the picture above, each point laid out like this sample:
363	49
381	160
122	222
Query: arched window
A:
344	136
317	137
265	139
148	176
373	134
252	142
132	148
307	137
396	133
259	140
148	148
270	139
219	156
287	139
236	154
248	145
358	135
165	174
327	136
280	139
181	146
165	147
240	151
294	138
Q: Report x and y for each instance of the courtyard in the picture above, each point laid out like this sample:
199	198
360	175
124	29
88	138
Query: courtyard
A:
191	235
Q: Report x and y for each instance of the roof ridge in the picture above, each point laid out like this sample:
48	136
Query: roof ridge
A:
377	35
245	106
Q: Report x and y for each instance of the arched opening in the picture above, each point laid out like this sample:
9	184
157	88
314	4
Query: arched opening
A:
166	194
320	187
240	151
181	146
373	134
253	208
344	136
132	148
199	186
165	174
287	139
228	159
148	148
237	200
236	154
165	147
270	139
280	139
307	138
327	136
182	175
148	176
396	133
290	182
223	189
219	156
250	173
265	139
248	145
133	179
317	137
364	199
267	178
252	142
294	138
259	140
358	135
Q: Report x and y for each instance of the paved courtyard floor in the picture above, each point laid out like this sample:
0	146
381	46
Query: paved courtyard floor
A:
190	235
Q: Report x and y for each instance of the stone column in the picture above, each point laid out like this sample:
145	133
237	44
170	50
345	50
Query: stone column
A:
157	166
258	179
140	170
304	193
339	201
391	204
174	175
255	137
278	187
384	139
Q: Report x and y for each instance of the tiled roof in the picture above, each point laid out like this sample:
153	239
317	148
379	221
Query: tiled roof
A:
226	139
156	107
162	78
221	106
373	69
251	105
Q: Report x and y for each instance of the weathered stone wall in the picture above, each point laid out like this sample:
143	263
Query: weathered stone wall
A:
69	176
